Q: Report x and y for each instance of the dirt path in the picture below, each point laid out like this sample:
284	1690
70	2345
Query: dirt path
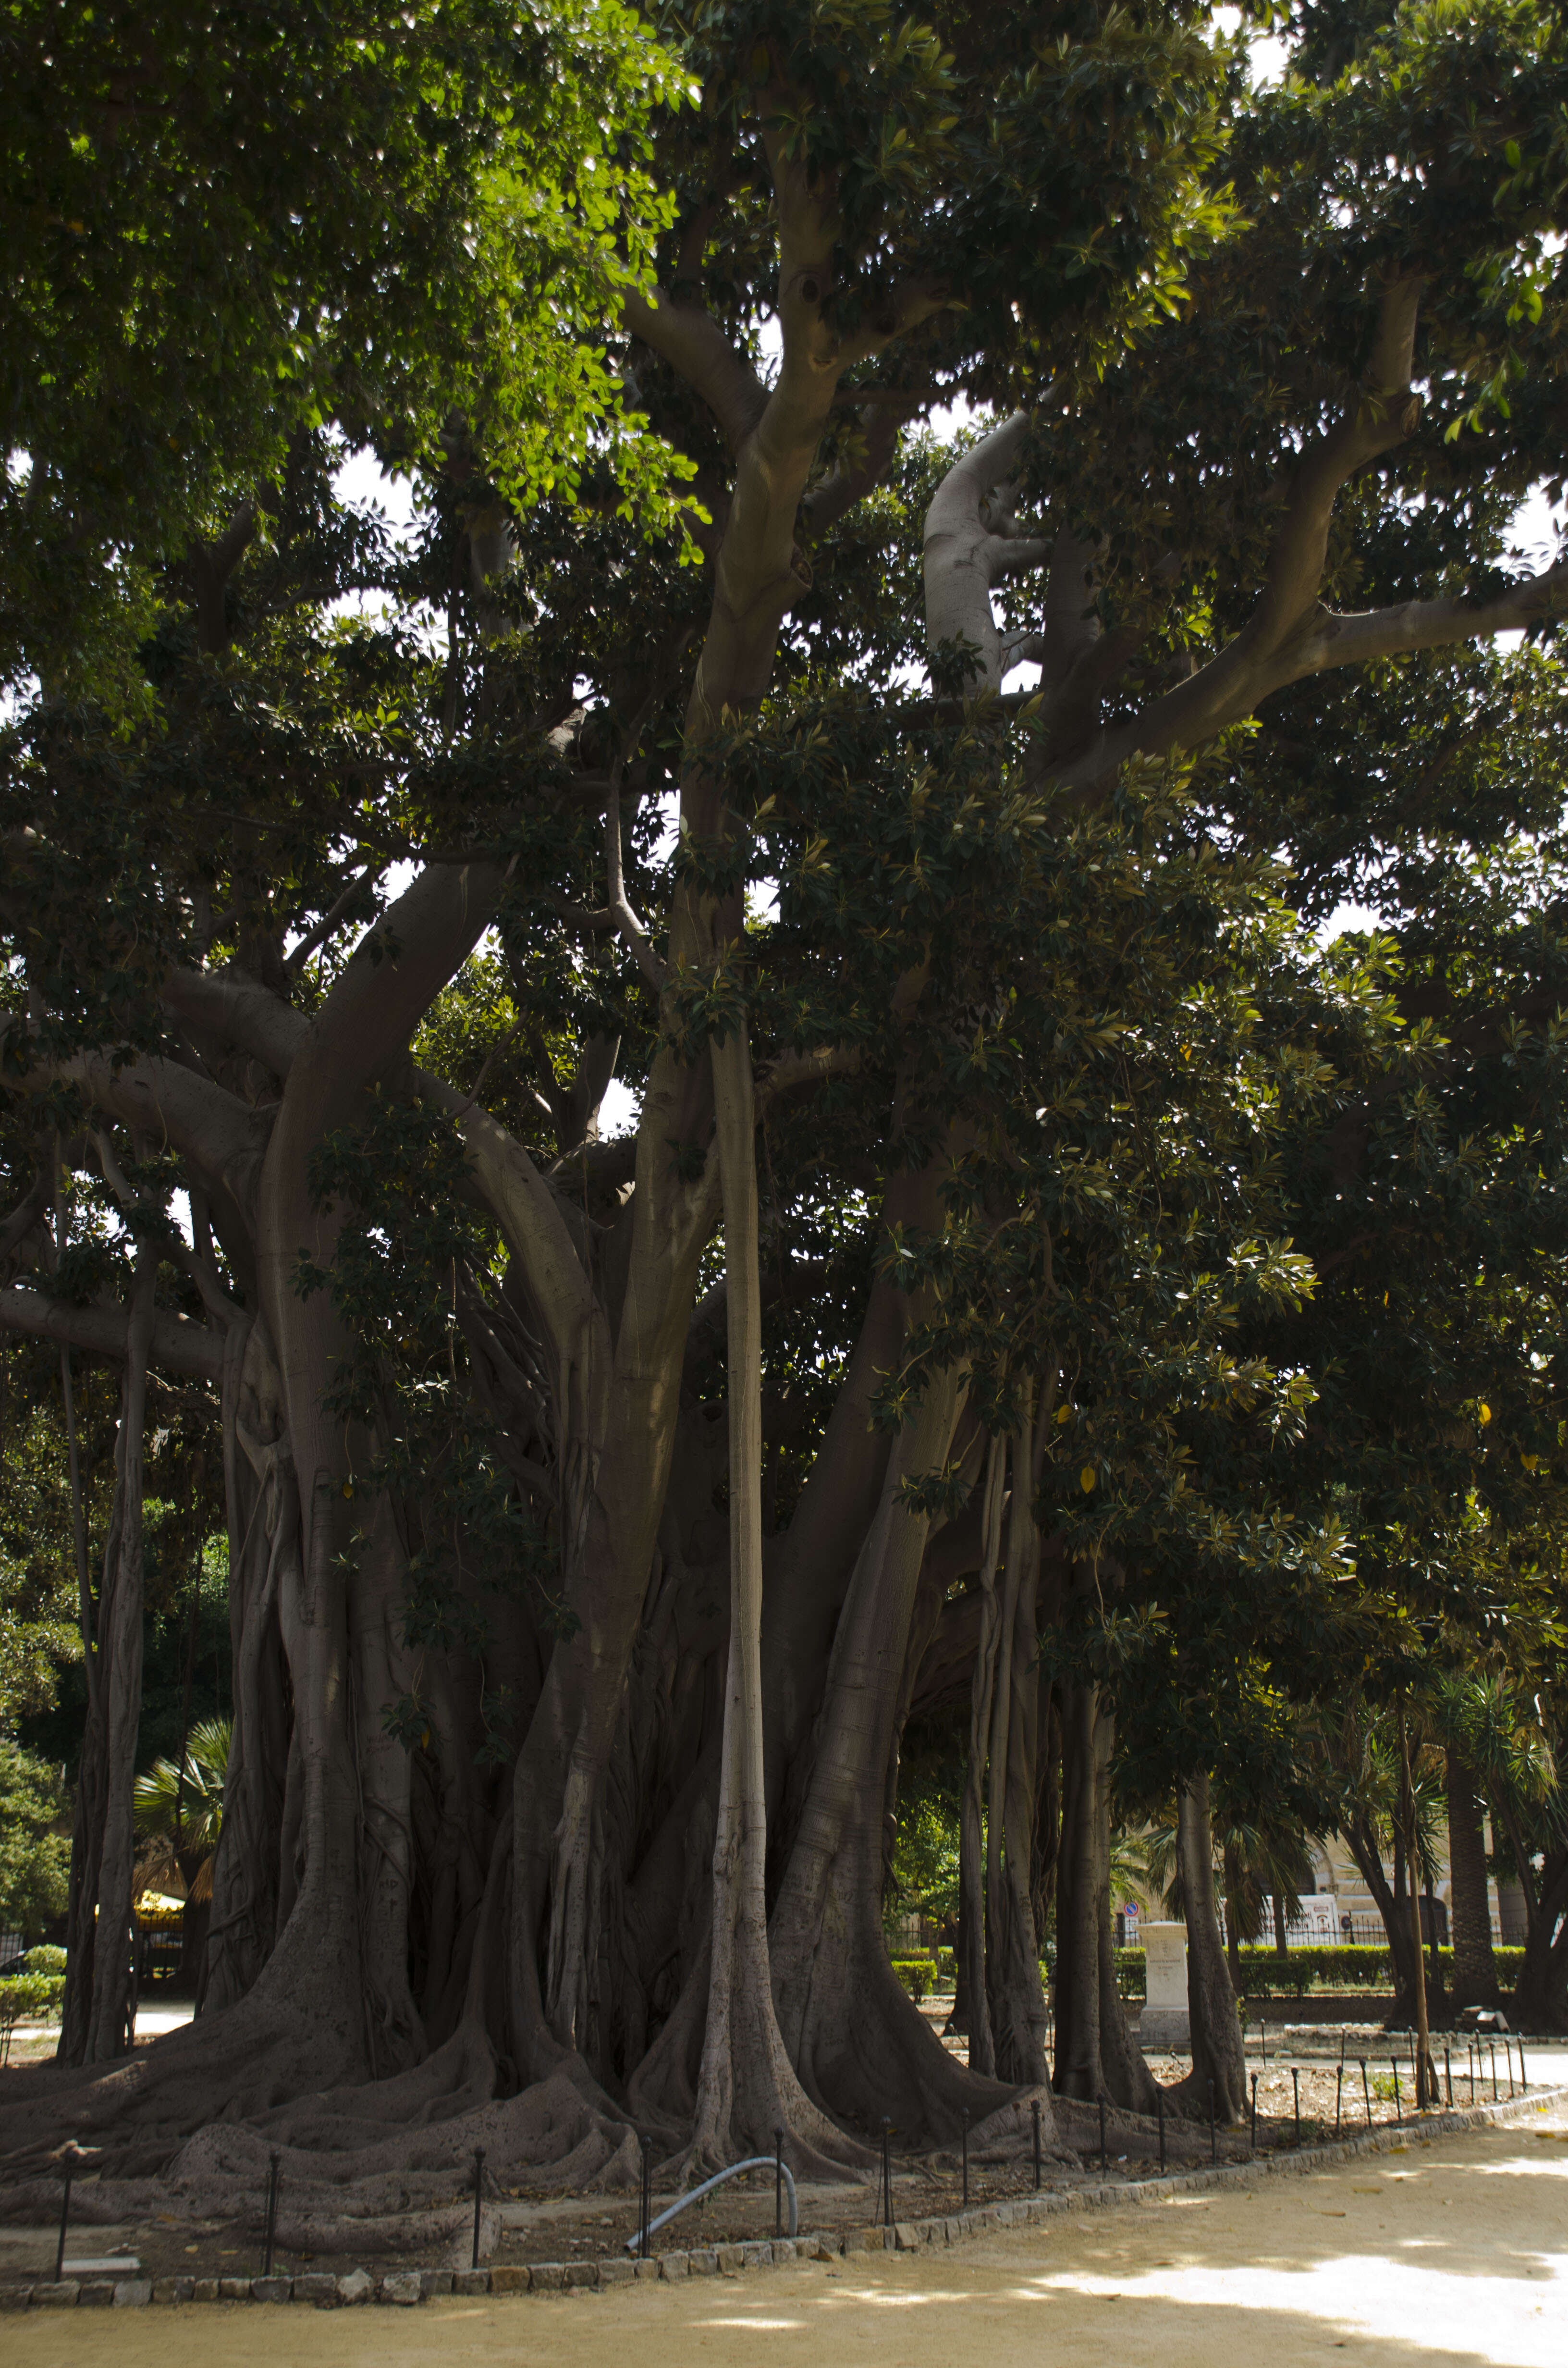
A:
1445	2255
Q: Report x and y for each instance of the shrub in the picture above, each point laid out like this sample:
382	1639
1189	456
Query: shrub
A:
29	1997
916	1973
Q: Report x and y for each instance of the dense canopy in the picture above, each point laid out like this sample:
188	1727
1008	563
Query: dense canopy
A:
710	1101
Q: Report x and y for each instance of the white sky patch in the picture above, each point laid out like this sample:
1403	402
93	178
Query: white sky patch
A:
1348	916
619	1110
362	483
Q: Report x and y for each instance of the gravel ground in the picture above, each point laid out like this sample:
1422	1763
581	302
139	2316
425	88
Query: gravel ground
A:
1442	2256
536	2225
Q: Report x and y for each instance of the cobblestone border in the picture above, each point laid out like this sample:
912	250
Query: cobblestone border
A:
410	2286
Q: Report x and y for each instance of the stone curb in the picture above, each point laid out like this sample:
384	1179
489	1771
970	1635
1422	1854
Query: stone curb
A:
327	2292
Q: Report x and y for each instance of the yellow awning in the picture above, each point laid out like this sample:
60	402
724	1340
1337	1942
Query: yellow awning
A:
157	1907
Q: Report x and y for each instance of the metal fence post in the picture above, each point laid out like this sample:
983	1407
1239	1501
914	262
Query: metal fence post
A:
887	2172
1213	2130
1398	2107
1492	2044
778	2182
1365	2092
68	2167
647	2194
1254	2112
1449	2075
1338	2092
478	2194
1036	2102
1160	2108
966	2158
1296	2084
272	2161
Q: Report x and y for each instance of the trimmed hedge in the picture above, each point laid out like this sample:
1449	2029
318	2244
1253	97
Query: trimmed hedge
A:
919	1974
1265	1974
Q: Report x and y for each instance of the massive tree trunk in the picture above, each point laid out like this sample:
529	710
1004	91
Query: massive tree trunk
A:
972	1993
255	1840
119	1680
1217	2053
862	2048
748	2096
1096	2054
1081	1874
1017	2013
100	1970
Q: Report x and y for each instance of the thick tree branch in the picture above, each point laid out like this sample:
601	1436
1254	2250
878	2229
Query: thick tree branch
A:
854	478
691	341
240	1011
1334	640
341	906
394	977
169	1245
1381	416
218	1133
527	1212
957	550
178	1345
793	1072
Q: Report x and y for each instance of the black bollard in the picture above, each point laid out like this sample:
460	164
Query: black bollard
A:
272	2163
1254	2112
1449	2075
1296	2084
1398	2107
1102	2138
1037	2145
887	2172
1365	2092
478	2191
966	2158
1338	2095
1213	2128
647	2195
68	2167
1160	2108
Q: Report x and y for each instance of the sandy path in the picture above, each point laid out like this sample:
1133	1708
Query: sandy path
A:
1444	2255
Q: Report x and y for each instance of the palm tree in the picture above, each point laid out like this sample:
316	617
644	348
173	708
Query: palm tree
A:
1494	1745
1259	1859
1365	1754
180	1810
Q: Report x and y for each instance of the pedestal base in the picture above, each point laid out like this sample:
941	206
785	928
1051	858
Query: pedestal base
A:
1164	2026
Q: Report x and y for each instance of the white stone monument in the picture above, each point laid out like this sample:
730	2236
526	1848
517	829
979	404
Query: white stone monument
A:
1165	2021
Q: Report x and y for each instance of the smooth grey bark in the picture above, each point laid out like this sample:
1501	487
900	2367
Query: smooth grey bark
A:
1018	2011
1082	1875
1096	2054
1217	2053
119	1684
973	1989
748	2095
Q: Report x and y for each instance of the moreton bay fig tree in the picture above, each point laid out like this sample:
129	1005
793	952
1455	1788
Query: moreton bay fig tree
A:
889	497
